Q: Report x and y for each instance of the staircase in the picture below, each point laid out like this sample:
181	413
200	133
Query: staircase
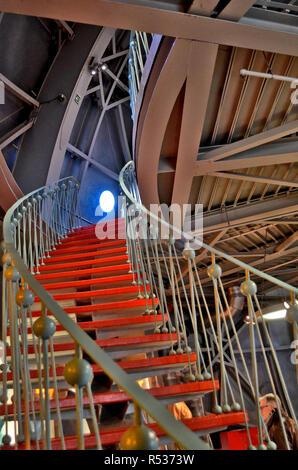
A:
97	350
92	281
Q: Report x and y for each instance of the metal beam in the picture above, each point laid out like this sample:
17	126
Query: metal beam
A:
271	154
254	213
152	20
98	165
255	178
202	7
235	9
67	28
274	4
252	142
11	136
200	66
127	153
18	91
106	102
288	242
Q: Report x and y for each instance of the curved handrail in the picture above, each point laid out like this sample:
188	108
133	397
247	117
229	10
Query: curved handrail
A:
175	429
196	244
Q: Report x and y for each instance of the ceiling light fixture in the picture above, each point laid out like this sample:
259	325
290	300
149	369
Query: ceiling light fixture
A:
94	67
107	201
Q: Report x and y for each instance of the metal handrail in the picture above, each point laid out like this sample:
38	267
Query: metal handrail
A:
149	231
175	429
196	244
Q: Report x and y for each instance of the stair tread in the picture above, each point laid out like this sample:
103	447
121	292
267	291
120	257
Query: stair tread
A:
97	293
89	282
82	263
116	221
111	343
109	235
121	396
99	245
113	436
83	272
90	254
122	305
127	365
102	324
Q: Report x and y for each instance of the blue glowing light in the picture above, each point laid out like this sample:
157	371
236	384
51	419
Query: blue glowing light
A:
107	201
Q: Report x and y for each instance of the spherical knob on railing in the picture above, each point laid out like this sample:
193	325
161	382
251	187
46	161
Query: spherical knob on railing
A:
24	298
11	274
248	287
214	271
139	437
78	372
44	327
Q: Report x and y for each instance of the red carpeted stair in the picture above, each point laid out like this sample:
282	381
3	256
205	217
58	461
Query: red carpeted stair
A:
90	279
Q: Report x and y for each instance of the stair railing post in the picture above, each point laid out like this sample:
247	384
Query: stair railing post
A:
248	288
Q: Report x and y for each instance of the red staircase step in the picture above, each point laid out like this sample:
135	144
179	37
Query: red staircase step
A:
102	325
90	254
103	281
122	308
114	344
115	269
119	222
65	266
139	368
93	235
115	291
203	424
93	246
169	391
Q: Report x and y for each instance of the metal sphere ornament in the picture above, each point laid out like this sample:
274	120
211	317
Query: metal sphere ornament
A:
188	253
44	327
226	408
235	406
214	270
139	437
292	314
271	445
24	298
248	287
78	372
217	409
12	274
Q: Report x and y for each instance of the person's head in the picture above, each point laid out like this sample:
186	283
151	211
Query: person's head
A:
268	404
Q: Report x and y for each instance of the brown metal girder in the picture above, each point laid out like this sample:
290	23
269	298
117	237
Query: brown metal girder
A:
152	20
162	100
235	9
9	190
209	167
200	69
252	142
